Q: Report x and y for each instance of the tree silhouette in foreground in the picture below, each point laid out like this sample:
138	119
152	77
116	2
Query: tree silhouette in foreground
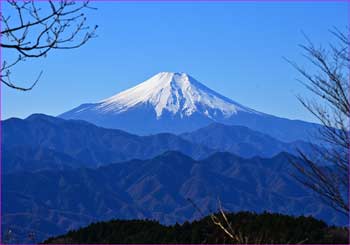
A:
32	29
327	172
276	228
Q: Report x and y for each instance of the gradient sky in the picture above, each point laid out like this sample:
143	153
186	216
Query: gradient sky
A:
234	48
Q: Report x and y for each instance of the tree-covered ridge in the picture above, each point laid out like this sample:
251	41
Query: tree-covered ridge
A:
252	227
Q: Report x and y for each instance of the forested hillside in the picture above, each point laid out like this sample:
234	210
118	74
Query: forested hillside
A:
248	227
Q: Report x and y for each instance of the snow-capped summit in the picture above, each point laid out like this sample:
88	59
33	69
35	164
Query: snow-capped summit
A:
177	93
176	102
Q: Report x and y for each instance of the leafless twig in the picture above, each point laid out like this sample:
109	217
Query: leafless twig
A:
34	29
331	84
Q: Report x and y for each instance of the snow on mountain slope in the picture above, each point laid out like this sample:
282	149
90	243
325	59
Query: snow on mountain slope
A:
175	93
177	103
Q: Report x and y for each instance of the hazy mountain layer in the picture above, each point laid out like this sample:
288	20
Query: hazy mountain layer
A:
78	143
243	141
44	142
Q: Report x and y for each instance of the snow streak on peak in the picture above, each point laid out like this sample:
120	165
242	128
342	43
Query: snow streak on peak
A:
177	93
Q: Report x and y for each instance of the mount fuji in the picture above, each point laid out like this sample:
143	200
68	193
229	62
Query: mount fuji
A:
177	103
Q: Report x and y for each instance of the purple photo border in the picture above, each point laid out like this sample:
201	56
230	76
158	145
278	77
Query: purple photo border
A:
349	119
0	129
150	1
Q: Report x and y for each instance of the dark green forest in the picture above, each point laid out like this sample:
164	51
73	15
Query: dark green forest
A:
246	227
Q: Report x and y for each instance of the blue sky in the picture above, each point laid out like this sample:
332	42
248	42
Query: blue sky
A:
234	48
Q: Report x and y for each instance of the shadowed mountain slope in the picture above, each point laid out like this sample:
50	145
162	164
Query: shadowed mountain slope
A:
53	202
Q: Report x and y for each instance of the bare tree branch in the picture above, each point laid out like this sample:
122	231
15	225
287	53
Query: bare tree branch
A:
327	171
34	29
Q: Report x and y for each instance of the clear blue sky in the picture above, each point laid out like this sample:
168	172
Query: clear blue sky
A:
234	48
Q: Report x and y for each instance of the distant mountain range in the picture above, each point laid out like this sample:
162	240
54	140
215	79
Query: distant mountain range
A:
243	141
83	143
51	202
45	142
177	103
